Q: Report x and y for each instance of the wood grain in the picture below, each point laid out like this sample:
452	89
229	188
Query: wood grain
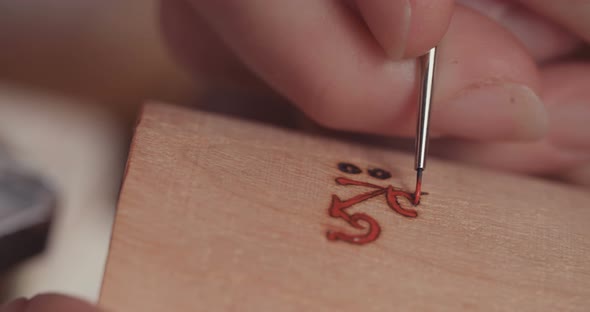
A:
218	214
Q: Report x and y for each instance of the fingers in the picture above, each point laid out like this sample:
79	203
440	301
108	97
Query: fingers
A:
540	158
564	152
18	305
579	175
49	303
544	39
572	14
567	96
321	57
198	48
406	28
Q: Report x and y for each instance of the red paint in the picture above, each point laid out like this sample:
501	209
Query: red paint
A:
418	192
338	210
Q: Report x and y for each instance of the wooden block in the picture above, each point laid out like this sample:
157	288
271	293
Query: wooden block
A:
218	214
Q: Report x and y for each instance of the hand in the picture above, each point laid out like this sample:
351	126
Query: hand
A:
351	65
551	31
48	303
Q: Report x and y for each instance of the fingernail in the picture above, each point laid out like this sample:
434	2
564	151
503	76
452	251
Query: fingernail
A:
389	23
570	125
495	112
17	305
398	49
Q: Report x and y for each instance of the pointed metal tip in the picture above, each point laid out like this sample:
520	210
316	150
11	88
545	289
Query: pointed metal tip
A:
418	191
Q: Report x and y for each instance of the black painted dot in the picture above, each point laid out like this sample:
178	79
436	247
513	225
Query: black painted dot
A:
349	168
379	173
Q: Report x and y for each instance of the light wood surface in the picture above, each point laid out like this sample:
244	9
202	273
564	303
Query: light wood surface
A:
218	214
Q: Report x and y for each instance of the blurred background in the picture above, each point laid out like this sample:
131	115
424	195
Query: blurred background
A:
72	76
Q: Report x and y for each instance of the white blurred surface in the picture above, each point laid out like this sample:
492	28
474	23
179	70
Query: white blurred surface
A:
110	51
80	151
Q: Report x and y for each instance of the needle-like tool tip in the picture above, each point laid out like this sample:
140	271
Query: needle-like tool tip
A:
418	191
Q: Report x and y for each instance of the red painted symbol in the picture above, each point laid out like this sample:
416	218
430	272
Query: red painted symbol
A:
338	207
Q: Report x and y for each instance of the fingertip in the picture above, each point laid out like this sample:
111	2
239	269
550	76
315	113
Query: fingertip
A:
540	157
429	22
486	87
406	28
389	22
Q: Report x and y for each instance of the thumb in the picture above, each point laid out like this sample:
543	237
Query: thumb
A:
320	56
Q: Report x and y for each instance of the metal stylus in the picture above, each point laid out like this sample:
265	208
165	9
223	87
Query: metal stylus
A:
426	89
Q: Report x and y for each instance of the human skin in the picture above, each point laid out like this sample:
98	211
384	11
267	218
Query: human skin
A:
503	82
506	94
49	303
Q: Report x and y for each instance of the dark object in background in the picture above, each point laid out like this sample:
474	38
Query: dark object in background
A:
26	211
